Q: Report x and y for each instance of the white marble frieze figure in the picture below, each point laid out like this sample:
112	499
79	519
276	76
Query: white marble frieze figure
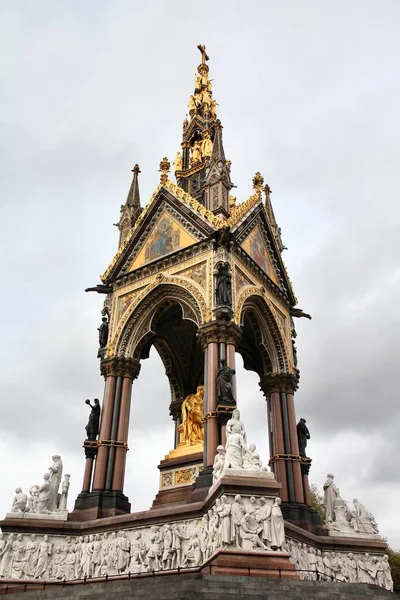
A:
348	567
237	458
44	501
343	520
243	522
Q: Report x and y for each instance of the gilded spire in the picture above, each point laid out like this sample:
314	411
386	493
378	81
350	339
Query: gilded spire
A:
131	210
201	101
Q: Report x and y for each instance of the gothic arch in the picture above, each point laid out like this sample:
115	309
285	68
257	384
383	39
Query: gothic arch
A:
156	321
262	347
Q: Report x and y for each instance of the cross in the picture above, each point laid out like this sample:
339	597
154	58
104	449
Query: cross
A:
204	55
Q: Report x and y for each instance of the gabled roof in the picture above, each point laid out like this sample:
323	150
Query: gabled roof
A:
201	222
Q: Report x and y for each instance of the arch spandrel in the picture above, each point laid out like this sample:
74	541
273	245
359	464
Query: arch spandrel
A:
254	310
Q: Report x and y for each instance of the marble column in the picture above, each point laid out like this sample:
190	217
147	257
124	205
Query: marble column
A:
87	476
111	455
231	362
298	479
278	389
122	434
217	338
99	478
212	420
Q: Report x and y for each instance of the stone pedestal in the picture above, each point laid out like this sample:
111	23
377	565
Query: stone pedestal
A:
177	475
252	564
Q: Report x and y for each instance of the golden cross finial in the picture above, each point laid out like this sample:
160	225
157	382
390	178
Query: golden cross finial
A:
204	55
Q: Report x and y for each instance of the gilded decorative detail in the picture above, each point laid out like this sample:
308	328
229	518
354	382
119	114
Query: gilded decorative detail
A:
280	319
192	411
198	273
241	280
255	246
168	234
130	234
179	476
199	208
120	366
185	476
240	210
123	304
219	331
167	479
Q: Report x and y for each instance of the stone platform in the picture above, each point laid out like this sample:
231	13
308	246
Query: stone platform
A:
197	586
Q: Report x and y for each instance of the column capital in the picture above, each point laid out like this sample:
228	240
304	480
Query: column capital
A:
279	382
120	366
219	331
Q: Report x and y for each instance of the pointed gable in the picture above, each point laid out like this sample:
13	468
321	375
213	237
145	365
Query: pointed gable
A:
167	236
171	221
255	245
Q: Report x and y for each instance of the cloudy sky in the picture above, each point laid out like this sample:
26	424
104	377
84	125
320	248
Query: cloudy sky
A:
309	94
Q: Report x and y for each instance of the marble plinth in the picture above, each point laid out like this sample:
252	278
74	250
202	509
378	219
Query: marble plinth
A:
60	515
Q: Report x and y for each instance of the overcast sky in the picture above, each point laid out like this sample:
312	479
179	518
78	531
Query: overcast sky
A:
309	94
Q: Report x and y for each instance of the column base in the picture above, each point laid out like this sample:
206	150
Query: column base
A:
99	505
302	515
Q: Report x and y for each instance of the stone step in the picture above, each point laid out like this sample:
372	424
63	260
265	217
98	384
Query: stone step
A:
207	587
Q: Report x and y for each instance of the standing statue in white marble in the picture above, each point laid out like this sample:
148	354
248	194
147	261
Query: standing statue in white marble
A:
55	480
204	532
387	575
123	552
176	547
155	550
277	525
235	420
351	567
225	516
167	550
263	516
219	462
6	557
42	558
237	513
20	501
236	448
30	552
18	558
44	495
330	494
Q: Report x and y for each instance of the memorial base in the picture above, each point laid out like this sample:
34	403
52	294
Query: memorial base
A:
98	505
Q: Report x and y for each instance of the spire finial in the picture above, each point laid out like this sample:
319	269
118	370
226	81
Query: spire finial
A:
165	166
204	55
258	181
